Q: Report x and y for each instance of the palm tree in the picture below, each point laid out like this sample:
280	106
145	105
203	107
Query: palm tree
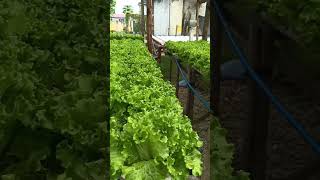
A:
127	10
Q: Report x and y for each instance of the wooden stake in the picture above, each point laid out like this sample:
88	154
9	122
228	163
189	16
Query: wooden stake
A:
170	71
149	25
177	81
190	98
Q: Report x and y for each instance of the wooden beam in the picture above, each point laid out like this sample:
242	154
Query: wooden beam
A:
215	61
212	52
259	56
149	24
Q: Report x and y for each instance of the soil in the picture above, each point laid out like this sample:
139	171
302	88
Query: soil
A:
288	154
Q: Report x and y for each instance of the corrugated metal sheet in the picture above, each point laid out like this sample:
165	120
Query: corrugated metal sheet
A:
161	17
168	15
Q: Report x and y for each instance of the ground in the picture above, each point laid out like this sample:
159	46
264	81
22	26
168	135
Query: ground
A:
287	152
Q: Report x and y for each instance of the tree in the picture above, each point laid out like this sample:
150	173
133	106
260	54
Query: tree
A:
112	6
127	10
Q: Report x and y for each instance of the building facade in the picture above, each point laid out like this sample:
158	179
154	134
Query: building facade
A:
169	15
117	22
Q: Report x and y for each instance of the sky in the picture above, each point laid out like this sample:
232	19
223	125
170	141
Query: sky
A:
121	3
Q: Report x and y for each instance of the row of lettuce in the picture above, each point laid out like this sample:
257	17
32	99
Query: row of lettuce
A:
197	54
53	89
150	137
122	35
194	53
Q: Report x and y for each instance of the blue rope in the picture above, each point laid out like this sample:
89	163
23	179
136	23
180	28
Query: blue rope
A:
197	95
264	87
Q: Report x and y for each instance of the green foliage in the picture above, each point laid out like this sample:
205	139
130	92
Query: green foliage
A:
119	35
127	10
112	6
150	138
222	154
195	53
299	16
53	89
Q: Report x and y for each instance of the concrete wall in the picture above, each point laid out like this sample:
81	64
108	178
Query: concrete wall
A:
116	25
192	5
176	8
168	15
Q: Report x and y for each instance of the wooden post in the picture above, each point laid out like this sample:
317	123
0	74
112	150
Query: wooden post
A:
212	58
142	18
215	60
170	70
177	81
160	48
197	19
176	30
206	22
183	33
190	98
259	103
152	18
149	25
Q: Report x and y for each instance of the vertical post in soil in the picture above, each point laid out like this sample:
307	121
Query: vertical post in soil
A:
182	24
152	18
206	22
259	47
197	19
170	70
149	25
176	30
213	16
215	60
177	81
190	98
159	53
